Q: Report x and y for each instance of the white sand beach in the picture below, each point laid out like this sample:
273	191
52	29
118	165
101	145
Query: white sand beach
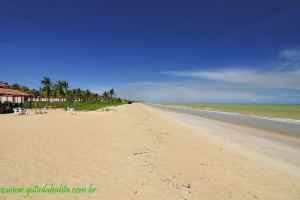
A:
131	152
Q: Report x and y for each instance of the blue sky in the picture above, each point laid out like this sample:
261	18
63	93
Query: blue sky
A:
190	51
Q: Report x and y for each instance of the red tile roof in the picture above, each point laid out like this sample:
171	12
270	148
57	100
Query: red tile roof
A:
3	85
11	92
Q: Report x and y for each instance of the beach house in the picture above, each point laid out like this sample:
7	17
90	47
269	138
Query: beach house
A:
10	95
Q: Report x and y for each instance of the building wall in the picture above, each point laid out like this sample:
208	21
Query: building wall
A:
47	99
11	99
21	99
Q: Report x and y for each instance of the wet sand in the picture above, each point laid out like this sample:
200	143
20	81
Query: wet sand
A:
279	151
285	126
133	152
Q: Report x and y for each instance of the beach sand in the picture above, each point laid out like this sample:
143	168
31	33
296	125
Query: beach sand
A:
129	153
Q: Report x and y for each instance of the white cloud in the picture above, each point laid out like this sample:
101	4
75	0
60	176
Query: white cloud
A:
291	54
189	92
277	85
288	79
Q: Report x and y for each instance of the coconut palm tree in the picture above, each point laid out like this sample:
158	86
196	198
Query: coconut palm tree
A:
21	88
15	86
86	95
46	87
60	89
25	89
70	95
95	97
111	93
105	95
35	93
65	86
77	94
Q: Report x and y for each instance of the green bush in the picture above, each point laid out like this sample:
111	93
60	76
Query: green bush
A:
7	107
87	106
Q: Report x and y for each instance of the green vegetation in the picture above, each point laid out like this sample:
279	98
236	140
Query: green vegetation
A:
87	106
290	111
60	89
76	98
7	107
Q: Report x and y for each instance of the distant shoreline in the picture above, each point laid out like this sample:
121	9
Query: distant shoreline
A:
279	112
283	126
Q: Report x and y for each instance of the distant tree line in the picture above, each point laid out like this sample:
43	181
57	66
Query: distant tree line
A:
60	89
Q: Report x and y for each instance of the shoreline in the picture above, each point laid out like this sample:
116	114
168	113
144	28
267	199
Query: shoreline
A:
287	120
279	127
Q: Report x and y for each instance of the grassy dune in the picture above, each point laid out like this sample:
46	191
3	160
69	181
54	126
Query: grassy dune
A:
290	111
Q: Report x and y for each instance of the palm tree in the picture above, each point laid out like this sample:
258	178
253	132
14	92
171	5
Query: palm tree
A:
34	93
95	97
105	95
60	89
70	95
15	86
87	95
21	88
57	90
65	86
77	94
25	89
46	87
111	93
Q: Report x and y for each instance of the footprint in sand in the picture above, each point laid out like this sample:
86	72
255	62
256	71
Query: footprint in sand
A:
145	156
185	191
